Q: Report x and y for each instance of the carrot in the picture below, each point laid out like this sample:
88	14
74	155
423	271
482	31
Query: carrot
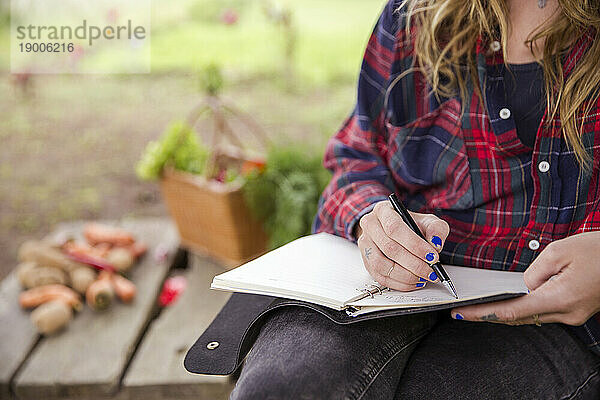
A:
42	294
84	248
100	294
103	248
99	233
124	288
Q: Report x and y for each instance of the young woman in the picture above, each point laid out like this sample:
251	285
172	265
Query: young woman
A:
484	117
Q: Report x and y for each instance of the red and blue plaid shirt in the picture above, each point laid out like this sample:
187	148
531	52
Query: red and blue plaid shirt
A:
504	202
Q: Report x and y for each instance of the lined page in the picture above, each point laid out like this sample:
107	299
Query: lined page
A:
321	268
470	283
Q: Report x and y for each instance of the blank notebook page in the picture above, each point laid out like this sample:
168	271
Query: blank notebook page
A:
321	266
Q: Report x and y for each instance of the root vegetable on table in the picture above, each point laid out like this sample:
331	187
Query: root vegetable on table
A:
30	275
100	294
85	259
120	258
99	233
124	288
23	270
46	254
42	294
51	317
84	248
82	278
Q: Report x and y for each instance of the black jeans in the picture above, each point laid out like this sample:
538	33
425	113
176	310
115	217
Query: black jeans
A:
300	354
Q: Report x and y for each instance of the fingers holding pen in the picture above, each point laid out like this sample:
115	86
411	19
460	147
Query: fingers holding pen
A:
394	251
384	270
433	228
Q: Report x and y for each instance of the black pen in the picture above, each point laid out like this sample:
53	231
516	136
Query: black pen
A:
437	267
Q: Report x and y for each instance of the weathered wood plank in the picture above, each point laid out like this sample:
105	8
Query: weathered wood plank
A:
17	334
88	359
156	371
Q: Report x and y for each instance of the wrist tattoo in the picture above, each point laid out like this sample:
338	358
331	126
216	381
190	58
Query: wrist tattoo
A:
368	252
490	317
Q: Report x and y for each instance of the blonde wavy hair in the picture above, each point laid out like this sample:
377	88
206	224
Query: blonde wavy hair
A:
447	34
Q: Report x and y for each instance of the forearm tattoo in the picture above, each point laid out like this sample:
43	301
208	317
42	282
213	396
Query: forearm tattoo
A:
368	252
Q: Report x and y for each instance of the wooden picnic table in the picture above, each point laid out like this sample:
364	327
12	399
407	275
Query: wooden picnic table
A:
129	351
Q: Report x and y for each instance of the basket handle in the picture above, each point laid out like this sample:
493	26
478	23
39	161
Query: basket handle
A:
221	128
219	108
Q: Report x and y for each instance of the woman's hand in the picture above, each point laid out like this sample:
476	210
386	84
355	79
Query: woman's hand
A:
394	255
564	281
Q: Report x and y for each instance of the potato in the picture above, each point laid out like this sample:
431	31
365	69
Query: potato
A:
47	275
82	278
23	272
43	253
52	316
120	258
32	275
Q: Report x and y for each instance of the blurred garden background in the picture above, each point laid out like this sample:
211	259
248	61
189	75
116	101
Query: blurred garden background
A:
69	144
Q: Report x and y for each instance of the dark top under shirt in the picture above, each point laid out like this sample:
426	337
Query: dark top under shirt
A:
524	85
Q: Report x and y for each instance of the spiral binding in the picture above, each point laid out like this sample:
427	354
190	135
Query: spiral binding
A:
351	310
370	292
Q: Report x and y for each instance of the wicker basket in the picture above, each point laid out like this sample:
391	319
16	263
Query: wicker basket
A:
212	218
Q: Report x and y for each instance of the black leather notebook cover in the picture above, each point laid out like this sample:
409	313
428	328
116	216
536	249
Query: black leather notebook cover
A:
238	323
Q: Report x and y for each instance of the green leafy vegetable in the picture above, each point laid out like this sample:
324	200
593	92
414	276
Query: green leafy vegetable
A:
178	147
285	195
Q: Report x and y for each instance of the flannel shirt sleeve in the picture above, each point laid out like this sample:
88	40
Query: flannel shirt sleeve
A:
356	153
591	224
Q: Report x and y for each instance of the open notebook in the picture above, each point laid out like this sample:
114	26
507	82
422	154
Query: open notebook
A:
328	270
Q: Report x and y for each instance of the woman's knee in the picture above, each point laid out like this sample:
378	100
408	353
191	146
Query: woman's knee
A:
288	359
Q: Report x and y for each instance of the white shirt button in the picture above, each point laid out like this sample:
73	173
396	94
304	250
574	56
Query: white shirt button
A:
495	45
544	166
505	113
534	244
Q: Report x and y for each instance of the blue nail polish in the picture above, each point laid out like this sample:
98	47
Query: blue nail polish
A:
422	280
432	276
437	241
429	257
420	284
458	316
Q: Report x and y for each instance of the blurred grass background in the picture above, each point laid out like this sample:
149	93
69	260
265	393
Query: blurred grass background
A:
69	143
